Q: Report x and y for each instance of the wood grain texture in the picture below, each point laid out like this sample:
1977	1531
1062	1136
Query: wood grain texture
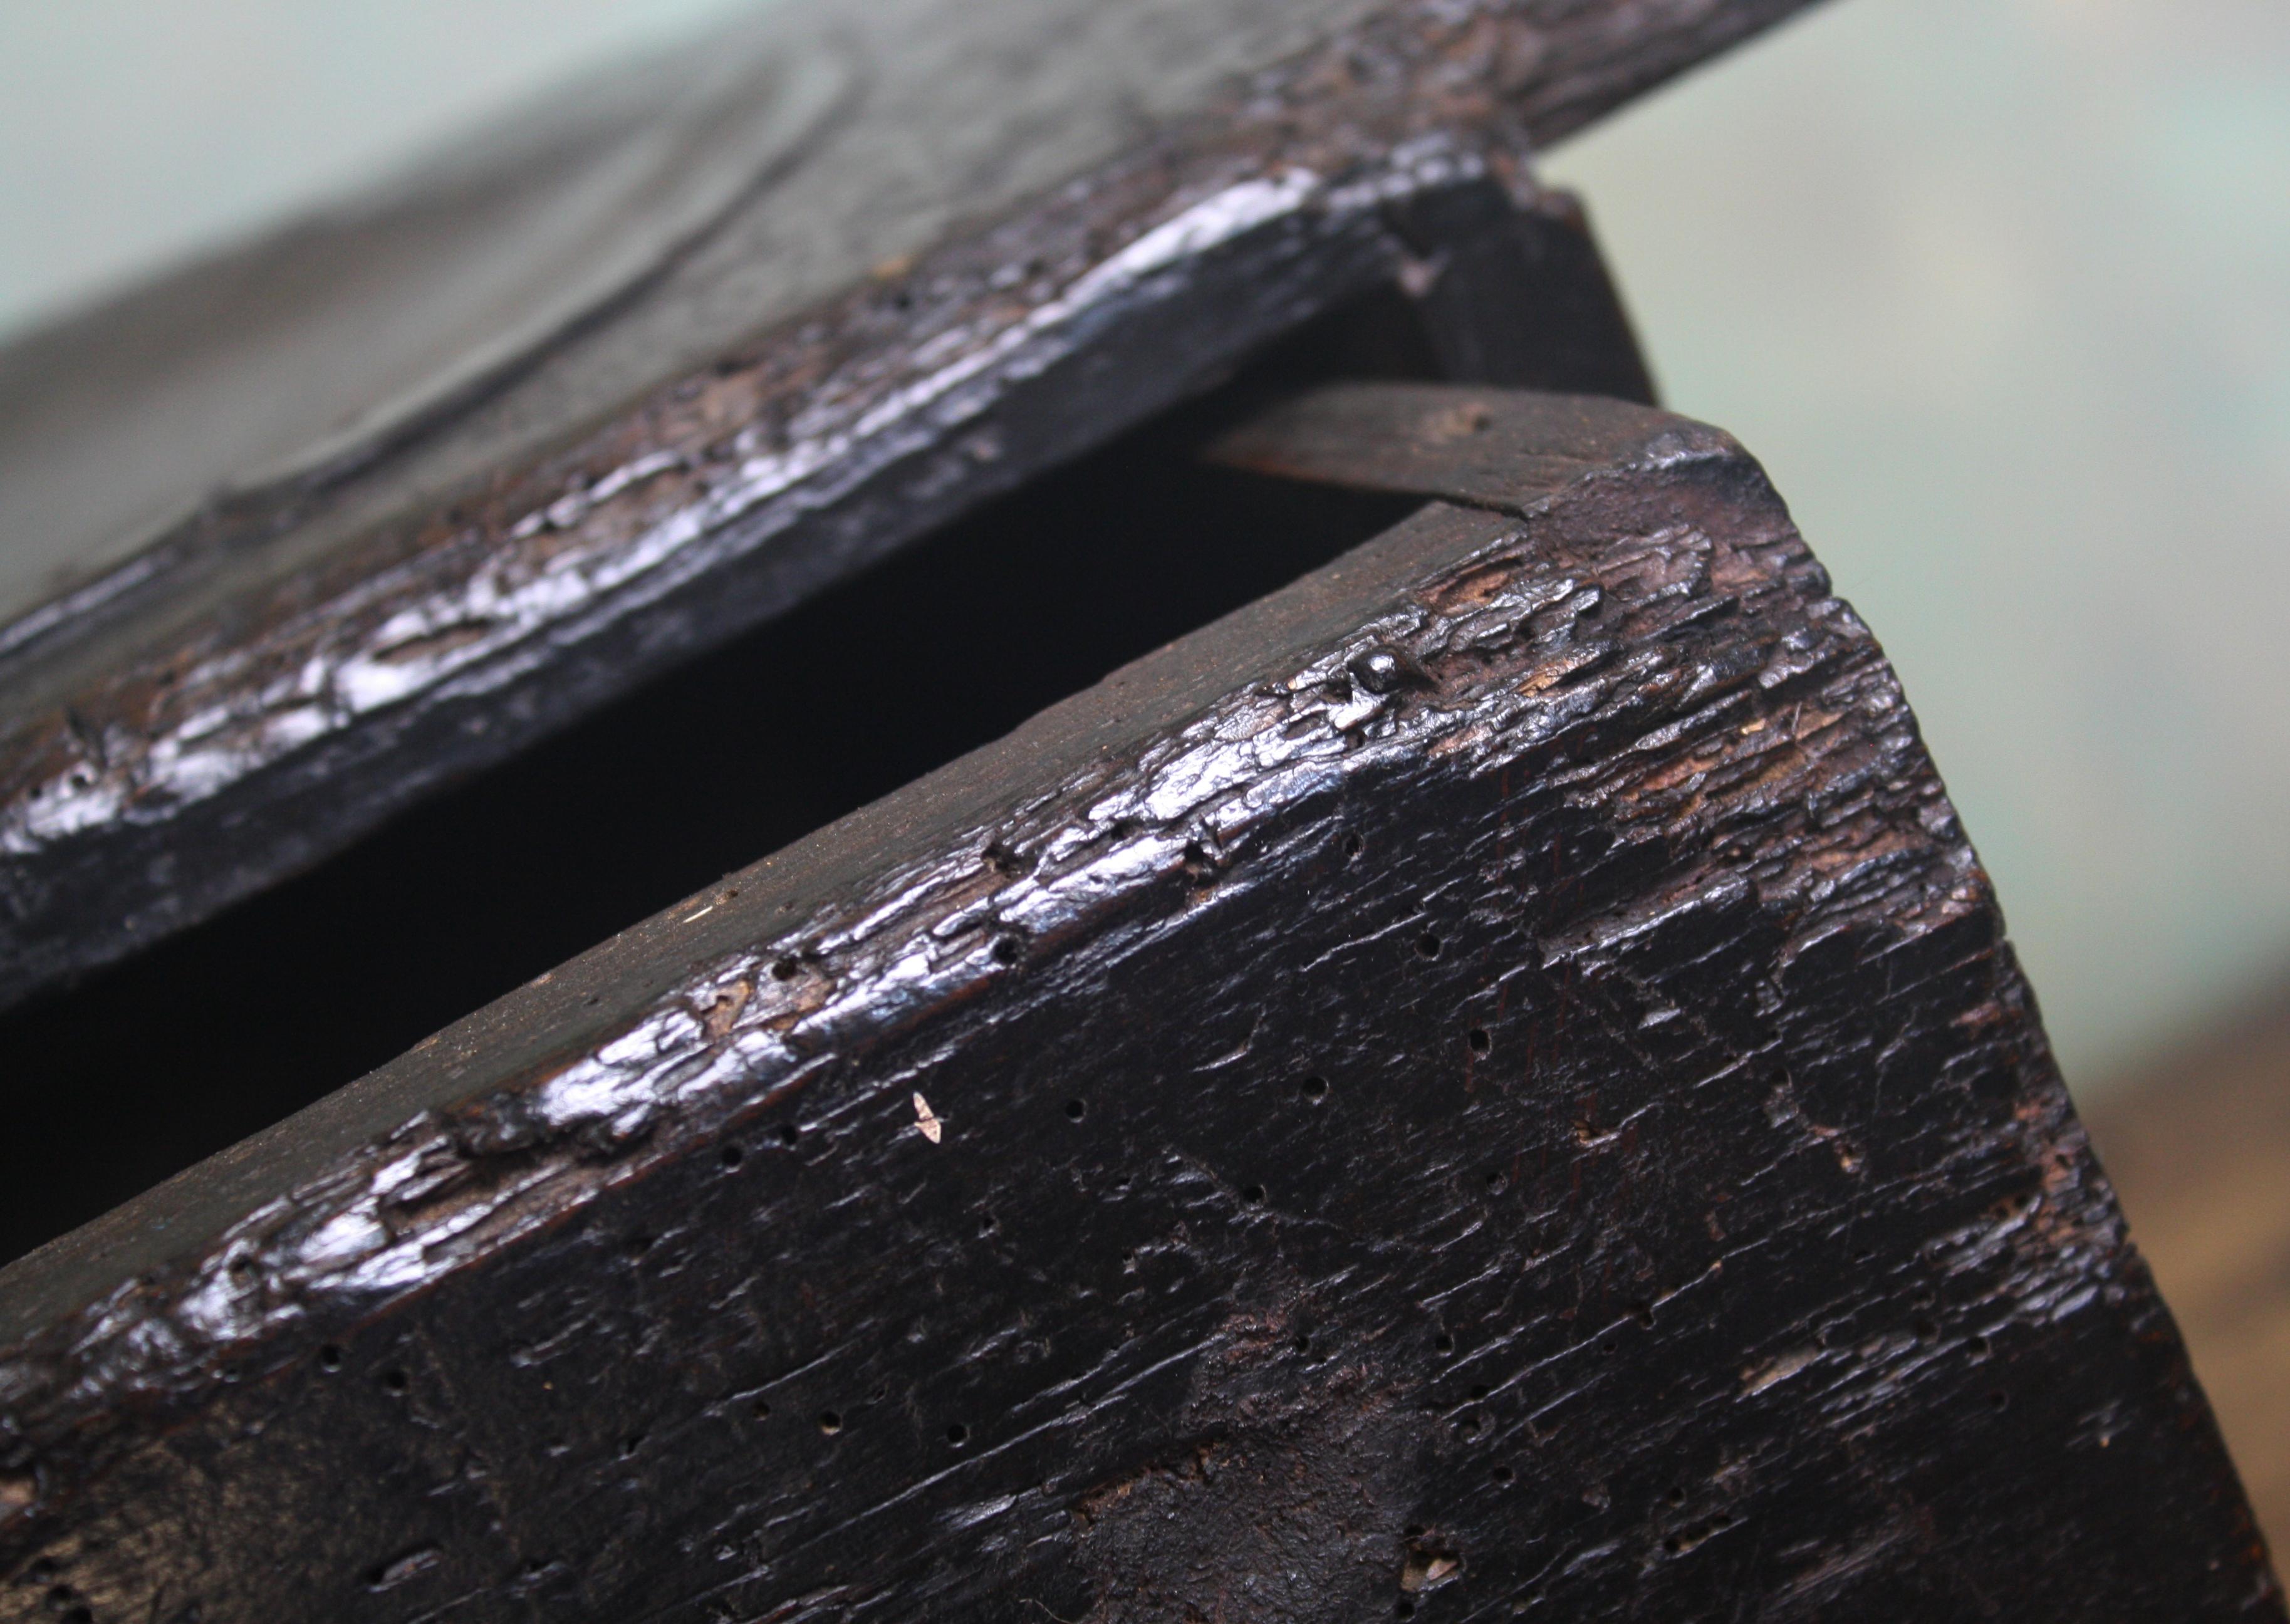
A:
995	236
1489	1082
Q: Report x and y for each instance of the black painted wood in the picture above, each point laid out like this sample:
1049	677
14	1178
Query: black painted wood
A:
1489	1082
900	259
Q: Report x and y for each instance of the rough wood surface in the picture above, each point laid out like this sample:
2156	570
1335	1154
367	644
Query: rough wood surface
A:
980	238
1487	1084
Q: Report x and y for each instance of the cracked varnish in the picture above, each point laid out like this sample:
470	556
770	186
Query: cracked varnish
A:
1489	1082
1004	234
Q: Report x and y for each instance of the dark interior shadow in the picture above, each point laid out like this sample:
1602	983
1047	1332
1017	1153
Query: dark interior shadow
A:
153	1064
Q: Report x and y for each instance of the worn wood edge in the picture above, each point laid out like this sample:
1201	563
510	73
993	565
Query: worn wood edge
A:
286	746
1602	57
146	1299
637	1100
323	629
266	747
1555	65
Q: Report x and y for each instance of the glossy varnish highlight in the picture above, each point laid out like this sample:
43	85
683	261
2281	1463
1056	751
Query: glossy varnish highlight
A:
1489	1081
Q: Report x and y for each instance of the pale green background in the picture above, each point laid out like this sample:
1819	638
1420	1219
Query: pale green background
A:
1998	289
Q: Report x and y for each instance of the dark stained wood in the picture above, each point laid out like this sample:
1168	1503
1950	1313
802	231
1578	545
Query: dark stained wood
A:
1488	1084
974	240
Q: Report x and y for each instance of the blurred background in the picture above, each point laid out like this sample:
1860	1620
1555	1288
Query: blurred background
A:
1999	290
